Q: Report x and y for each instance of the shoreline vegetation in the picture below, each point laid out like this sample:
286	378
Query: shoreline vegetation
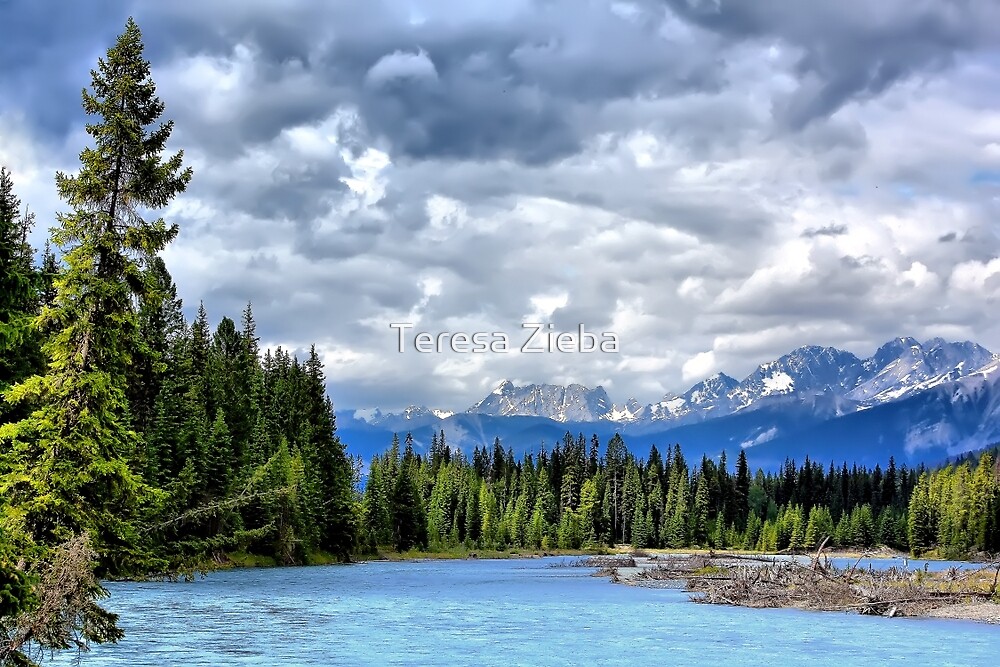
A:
814	583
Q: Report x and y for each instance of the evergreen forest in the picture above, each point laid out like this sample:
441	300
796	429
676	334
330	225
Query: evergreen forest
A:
585	494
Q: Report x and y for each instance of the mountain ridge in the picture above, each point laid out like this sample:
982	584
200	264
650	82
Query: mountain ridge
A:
897	369
919	402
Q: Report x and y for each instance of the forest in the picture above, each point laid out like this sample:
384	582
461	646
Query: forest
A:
135	443
585	495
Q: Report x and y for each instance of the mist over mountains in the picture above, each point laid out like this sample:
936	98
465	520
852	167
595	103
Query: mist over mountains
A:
917	401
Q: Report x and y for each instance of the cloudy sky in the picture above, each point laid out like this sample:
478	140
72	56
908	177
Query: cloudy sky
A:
716	181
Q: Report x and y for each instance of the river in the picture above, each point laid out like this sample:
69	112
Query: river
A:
509	612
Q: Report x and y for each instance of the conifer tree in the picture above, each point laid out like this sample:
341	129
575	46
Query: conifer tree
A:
19	351
409	517
614	459
47	276
69	468
742	488
700	517
640	527
921	528
160	321
81	420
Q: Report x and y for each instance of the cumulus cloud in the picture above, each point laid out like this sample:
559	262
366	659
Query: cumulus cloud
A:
699	366
716	182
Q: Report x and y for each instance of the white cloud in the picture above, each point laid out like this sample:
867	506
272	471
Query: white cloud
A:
544	305
402	65
699	366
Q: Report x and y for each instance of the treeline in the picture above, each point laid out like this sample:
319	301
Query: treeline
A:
244	443
581	494
134	443
956	510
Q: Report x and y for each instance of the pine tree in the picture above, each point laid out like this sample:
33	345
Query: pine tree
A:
921	528
377	519
20	354
70	467
640	527
700	526
218	456
160	321
409	515
675	532
614	459
47	276
80	408
742	489
796	527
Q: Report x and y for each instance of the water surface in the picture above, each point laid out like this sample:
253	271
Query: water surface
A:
513	612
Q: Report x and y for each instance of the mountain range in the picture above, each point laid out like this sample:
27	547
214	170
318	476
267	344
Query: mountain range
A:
916	401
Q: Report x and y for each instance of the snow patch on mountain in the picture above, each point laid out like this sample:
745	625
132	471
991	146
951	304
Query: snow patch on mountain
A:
563	404
779	383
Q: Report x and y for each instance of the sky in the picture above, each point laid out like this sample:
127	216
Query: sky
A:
714	181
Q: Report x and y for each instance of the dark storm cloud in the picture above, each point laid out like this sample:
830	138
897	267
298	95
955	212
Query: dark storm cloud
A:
850	49
827	230
47	52
516	86
299	190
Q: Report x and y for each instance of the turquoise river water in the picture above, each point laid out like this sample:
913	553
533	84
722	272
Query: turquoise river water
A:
510	612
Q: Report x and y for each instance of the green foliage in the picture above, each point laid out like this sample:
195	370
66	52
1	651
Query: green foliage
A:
17	592
953	510
20	352
139	444
495	502
69	468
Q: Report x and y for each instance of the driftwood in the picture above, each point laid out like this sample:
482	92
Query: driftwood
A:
759	581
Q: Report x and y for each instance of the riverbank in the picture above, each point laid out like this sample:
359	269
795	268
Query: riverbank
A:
462	553
238	560
242	560
814	584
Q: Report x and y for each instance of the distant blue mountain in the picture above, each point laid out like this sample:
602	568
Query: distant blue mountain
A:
916	402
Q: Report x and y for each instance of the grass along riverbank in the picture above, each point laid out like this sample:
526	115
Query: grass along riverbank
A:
238	560
462	553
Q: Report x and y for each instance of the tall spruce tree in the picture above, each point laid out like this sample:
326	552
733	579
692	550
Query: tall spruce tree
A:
69	468
19	350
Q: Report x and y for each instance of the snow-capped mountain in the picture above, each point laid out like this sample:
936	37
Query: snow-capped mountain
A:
899	368
706	399
570	403
916	401
903	366
806	370
412	414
